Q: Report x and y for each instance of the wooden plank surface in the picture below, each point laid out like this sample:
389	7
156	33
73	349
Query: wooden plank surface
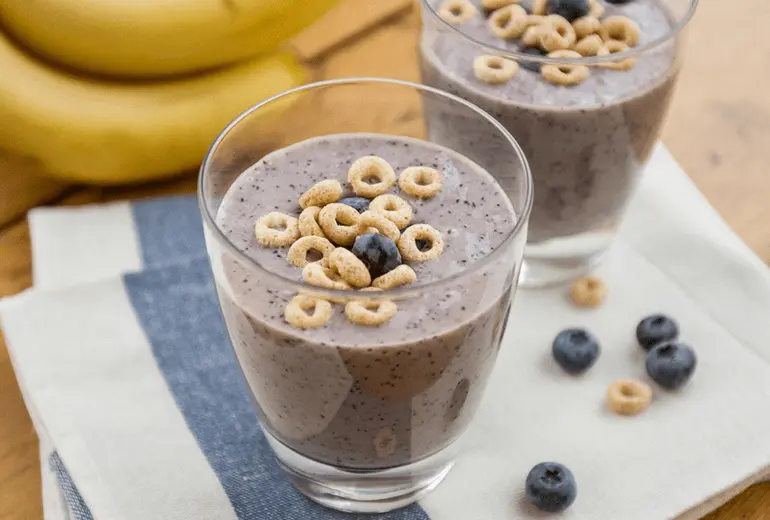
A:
717	130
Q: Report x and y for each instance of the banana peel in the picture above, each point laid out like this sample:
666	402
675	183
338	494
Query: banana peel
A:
91	131
155	38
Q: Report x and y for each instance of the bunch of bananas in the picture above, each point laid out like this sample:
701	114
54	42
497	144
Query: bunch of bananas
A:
135	90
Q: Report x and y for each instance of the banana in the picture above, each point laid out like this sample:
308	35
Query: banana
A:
155	38
111	133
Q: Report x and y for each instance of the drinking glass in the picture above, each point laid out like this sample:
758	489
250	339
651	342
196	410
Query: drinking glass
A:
363	419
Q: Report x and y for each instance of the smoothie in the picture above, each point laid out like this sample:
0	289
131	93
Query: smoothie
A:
369	397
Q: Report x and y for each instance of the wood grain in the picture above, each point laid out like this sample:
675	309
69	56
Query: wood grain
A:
717	130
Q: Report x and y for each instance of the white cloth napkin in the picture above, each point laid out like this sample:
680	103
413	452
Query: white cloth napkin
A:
118	373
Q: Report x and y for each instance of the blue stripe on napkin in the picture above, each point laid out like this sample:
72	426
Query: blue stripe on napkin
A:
169	230
77	505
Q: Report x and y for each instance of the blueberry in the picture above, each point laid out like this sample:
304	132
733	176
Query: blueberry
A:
360	204
378	253
671	364
576	350
531	65
569	9
656	329
551	487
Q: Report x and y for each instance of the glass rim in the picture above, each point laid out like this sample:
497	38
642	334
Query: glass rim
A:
520	56
209	220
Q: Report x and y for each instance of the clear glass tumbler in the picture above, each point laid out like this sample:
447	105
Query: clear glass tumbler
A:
365	418
586	143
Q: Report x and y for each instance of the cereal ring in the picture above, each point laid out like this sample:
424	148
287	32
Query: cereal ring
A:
340	223
308	222
612	47
423	182
370	289
308	312
374	168
586	25
401	275
316	274
385	443
350	267
620	28
556	34
377	223
508	22
494	69
321	194
540	7
531	37
457	11
595	8
299	250
276	229
589	46
411	252
370	312
628	396
564	74
394	208
588	291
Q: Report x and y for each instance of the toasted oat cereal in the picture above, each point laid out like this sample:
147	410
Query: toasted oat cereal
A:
493	70
371	168
556	34
540	7
595	8
589	46
585	26
316	274
564	74
370	312
276	229
531	37
340	223
423	182
628	396
385	443
375	222
401	275
588	291
350	267
457	12
308	312
621	28
411	252
308	222
508	22
613	47
299	250
321	194
394	208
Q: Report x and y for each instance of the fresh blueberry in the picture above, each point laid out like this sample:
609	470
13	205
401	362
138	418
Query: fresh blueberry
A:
531	65
378	253
576	350
569	9
656	329
671	364
551	487
359	204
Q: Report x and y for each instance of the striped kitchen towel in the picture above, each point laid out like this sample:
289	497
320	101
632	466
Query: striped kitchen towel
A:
132	380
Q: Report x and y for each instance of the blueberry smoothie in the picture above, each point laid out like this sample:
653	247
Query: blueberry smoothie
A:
585	142
369	397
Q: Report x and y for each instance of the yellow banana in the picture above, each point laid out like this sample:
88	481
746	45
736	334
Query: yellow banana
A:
111	133
154	38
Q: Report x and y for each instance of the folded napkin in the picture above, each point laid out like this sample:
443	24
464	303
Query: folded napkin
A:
132	380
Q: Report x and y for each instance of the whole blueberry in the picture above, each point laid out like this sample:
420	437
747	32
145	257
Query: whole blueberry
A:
531	65
360	204
671	364
569	9
551	487
656	329
378	253
576	350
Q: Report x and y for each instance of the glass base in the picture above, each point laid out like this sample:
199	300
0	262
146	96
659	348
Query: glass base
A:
562	260
363	491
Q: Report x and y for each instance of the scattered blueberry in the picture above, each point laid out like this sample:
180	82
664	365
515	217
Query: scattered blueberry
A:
656	329
551	487
671	364
531	65
360	204
378	253
576	350
569	9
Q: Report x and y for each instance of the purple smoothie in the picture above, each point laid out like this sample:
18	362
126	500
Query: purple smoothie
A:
585	144
370	397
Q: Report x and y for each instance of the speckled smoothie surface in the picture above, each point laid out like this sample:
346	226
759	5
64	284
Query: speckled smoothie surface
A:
370	397
586	143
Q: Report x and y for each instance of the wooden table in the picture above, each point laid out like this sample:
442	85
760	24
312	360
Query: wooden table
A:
719	129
